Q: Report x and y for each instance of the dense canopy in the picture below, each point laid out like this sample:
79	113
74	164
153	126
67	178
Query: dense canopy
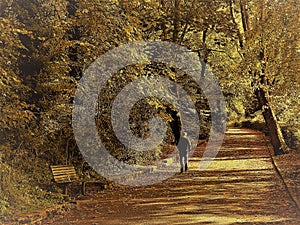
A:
252	46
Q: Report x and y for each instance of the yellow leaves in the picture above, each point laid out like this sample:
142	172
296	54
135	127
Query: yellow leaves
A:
84	44
85	11
15	116
5	23
41	38
22	31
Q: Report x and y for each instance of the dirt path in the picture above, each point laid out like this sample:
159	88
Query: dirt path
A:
240	187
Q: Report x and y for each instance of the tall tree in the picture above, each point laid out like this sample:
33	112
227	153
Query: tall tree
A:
16	114
266	42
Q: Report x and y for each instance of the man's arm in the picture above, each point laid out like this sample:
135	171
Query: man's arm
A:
188	144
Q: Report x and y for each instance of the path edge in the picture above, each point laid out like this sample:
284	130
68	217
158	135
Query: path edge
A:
281	175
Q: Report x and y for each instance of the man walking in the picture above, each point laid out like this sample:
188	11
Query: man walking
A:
183	147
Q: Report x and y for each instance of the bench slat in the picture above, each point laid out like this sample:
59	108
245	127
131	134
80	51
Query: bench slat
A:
63	169
60	173
64	173
65	181
66	170
62	166
57	169
66	176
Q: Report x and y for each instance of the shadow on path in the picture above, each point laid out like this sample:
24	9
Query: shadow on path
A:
241	186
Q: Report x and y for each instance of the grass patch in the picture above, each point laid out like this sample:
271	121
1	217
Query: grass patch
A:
19	193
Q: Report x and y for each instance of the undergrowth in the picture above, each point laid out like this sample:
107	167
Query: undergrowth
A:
18	193
291	135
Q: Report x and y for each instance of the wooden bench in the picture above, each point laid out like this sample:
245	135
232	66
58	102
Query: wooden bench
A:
65	175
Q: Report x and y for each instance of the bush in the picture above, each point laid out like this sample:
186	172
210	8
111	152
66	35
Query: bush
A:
18	194
292	137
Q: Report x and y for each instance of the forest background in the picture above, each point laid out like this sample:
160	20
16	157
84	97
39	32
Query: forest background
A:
252	46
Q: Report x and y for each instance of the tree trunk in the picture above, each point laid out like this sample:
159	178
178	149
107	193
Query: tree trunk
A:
274	129
163	25
241	44
175	124
245	16
205	53
176	20
261	94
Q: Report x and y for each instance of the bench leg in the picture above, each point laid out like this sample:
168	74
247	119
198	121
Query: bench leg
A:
66	189
83	188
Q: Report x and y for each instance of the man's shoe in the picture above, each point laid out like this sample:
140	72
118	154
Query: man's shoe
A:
181	170
186	167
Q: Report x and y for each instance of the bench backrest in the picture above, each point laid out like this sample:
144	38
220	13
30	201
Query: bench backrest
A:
64	173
